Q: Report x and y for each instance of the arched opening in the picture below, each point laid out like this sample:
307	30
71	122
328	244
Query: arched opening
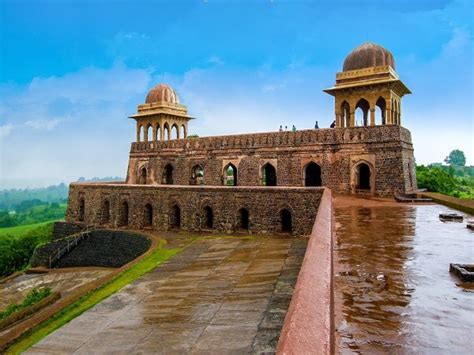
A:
363	177
148	216
123	221
143	176
166	132
81	210
286	221
312	176
197	175
105	212
149	133
230	175
175	217
380	111
243	222
345	114
168	175
362	113
269	176
174	132
208	221
158	133
183	131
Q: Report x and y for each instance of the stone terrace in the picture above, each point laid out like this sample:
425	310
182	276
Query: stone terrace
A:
219	295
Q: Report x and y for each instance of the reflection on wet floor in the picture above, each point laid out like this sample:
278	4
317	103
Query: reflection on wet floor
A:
393	290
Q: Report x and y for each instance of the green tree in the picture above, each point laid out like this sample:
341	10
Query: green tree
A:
456	158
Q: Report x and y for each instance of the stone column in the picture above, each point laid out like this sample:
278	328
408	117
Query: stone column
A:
352	121
138	132
153	130
372	116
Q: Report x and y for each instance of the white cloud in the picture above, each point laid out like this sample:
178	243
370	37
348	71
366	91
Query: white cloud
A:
5	130
215	60
43	124
83	121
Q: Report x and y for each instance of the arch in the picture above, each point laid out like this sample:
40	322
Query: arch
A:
168	174
174	131
82	209
123	214
362	106
363	176
286	221
312	175
243	222
166	132
158	132
142	178
148	215
345	114
184	134
149	133
208	220
269	176
380	113
197	175
230	175
105	212
175	217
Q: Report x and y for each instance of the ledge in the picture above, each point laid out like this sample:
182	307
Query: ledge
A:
466	206
309	322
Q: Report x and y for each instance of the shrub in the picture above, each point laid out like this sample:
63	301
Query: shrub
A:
16	251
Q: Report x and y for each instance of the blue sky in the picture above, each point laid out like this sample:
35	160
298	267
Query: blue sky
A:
72	71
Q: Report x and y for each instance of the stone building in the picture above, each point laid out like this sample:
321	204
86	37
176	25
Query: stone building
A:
262	182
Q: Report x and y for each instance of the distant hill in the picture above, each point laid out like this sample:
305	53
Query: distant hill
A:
12	199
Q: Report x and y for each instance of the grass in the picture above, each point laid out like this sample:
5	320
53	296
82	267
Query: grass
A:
150	262
19	230
34	296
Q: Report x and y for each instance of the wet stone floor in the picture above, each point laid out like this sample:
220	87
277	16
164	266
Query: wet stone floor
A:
393	290
220	295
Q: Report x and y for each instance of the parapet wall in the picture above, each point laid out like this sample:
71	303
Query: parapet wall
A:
309	322
164	207
386	150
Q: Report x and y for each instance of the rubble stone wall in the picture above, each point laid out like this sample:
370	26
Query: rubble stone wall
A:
387	149
103	205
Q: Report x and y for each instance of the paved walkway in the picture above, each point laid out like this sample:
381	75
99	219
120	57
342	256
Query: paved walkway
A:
220	295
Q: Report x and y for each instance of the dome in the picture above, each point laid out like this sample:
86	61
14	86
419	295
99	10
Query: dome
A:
162	93
368	55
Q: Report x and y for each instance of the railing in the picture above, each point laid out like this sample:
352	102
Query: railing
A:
72	242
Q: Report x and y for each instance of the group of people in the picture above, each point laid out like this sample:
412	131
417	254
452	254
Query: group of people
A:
316	126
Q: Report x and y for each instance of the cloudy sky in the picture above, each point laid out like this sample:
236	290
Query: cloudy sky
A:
72	71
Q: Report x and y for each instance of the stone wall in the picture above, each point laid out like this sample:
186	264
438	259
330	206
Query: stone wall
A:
101	247
104	204
64	229
387	150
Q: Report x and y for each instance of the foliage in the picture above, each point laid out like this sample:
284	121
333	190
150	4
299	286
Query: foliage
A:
20	230
34	296
456	158
13	199
150	262
454	181
16	251
32	211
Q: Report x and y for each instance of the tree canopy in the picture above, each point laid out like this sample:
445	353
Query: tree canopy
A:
456	158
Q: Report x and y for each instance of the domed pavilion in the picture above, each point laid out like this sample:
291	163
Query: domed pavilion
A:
161	117
368	82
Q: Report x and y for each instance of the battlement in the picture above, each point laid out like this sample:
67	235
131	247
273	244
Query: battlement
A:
309	137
